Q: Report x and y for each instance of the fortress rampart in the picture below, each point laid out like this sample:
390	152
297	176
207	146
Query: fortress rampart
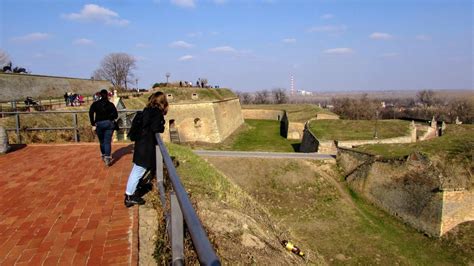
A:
413	189
18	86
211	121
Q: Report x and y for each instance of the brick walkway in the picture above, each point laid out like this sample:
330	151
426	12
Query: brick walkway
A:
60	205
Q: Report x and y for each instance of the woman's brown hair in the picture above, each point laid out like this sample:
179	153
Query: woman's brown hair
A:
158	100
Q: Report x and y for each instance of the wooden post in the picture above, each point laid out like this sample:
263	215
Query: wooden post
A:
17	122
74	121
177	231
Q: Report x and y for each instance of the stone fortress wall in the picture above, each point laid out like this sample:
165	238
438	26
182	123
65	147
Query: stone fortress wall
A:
211	121
262	114
294	130
412	189
311	143
19	86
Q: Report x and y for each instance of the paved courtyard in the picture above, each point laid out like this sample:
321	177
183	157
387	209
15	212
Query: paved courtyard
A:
59	205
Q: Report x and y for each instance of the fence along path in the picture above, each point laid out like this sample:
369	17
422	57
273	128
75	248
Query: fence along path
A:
181	207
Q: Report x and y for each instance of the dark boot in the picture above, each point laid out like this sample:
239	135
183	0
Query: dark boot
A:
133	200
107	160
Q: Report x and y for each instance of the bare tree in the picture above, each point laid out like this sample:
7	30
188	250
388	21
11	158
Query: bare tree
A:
426	97
117	68
362	108
463	109
4	58
261	97
279	96
246	98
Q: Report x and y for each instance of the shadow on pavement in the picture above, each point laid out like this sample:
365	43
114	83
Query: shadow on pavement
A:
118	154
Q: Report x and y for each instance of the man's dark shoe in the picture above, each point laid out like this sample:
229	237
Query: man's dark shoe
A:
133	200
107	160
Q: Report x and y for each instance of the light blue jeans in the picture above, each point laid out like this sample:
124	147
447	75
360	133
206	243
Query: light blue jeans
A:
135	175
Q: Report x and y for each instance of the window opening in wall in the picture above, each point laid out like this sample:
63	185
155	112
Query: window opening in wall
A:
197	122
172	124
169	96
194	96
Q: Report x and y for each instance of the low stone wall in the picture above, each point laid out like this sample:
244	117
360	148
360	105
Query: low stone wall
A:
19	86
354	143
262	114
309	143
295	130
4	146
458	207
410	189
326	117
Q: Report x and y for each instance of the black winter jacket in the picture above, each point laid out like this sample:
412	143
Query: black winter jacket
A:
144	150
104	110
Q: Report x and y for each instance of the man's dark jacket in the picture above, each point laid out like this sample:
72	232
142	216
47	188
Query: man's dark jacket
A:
104	110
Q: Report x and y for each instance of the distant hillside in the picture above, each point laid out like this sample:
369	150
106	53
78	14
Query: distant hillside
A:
388	94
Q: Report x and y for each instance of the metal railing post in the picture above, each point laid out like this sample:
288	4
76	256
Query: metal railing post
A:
177	232
159	175
74	121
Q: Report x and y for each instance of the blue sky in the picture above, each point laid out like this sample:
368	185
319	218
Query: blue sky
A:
249	45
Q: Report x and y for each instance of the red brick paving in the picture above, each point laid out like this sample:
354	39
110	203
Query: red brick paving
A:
59	205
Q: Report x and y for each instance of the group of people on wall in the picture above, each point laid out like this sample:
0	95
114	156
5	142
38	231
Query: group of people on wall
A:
73	99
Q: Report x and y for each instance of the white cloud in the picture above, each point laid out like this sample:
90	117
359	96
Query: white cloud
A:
328	28
32	37
289	40
181	44
223	49
339	51
141	58
423	37
195	34
95	13
327	16
184	3
380	36
142	45
186	58
39	55
389	55
83	41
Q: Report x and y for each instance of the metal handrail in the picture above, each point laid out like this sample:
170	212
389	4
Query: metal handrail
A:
204	250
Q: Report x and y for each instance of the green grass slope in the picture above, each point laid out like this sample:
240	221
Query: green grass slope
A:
358	129
296	112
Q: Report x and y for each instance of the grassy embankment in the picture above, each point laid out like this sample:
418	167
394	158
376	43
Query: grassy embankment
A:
327	222
238	226
181	95
254	135
358	129
458	141
296	112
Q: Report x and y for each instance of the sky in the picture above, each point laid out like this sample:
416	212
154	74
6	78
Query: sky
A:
248	45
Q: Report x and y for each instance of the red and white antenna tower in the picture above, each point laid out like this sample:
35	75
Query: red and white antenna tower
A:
292	85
